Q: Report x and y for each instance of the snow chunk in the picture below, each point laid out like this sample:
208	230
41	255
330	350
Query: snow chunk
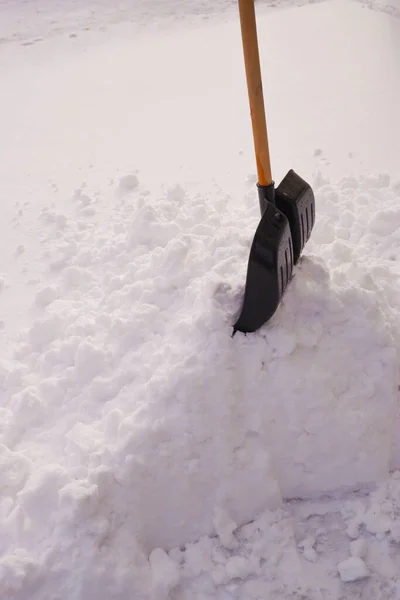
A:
44	331
79	499
358	548
89	361
14	469
376	522
352	569
39	496
83	199
239	567
17	570
149	230
46	296
27	407
165	573
309	552
198	557
224	526
127	184
353	529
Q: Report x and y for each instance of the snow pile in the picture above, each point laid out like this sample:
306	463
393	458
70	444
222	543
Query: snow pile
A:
132	419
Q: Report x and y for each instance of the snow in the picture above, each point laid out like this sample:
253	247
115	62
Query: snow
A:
352	569
358	548
144	452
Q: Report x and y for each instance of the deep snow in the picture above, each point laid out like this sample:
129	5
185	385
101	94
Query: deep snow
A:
144	452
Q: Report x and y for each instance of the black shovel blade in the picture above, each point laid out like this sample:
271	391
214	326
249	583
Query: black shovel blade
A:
269	270
295	198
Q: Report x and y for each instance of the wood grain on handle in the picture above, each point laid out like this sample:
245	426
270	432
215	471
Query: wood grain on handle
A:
255	90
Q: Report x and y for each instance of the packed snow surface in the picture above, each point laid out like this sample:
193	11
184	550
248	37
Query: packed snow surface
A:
144	452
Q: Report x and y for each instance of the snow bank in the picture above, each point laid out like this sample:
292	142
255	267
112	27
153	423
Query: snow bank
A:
130	415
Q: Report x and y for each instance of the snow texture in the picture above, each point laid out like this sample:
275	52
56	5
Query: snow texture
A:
352	569
144	452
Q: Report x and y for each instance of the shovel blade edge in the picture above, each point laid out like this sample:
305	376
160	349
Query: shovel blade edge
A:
269	270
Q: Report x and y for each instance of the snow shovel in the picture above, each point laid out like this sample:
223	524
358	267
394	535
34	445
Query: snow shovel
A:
287	212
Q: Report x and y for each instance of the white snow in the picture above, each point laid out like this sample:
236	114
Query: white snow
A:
352	569
358	548
165	573
144	452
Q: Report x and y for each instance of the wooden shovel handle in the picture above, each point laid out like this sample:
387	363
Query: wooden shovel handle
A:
255	90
